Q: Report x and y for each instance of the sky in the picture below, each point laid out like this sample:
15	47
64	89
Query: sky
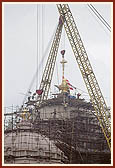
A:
20	48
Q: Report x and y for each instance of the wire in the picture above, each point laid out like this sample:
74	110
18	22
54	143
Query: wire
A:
64	38
39	67
57	73
37	50
101	16
104	22
42	33
39	36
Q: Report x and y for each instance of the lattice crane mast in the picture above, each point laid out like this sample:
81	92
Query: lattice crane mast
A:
88	75
49	68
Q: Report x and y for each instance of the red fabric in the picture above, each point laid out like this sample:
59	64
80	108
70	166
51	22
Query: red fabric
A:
39	92
69	85
63	52
68	82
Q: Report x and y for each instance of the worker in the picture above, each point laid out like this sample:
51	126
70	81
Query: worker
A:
78	95
54	116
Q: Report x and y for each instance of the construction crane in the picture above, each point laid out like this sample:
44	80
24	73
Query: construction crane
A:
88	75
49	68
97	99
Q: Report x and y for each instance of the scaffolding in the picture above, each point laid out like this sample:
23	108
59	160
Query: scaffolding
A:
69	126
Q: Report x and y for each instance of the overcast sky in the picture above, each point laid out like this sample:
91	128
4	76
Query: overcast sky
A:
20	48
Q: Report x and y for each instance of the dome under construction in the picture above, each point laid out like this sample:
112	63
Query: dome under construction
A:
60	130
63	128
26	146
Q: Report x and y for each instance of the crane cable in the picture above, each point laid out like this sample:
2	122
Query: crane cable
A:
39	67
42	33
100	17
37	50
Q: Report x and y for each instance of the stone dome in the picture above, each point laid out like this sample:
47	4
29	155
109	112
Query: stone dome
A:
26	146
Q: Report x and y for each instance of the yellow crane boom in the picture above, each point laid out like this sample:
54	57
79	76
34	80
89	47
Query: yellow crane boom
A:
97	99
49	68
88	75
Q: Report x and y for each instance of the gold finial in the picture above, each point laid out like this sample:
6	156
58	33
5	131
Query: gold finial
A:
64	86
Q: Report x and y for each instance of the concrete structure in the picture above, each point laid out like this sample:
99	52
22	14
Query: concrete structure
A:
72	123
62	130
26	146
